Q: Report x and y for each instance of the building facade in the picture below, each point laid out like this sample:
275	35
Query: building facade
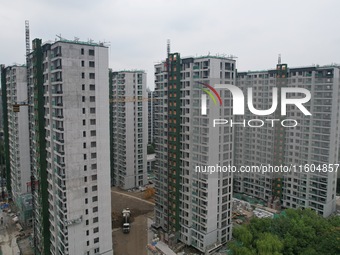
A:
69	130
191	206
311	144
129	129
17	131
151	107
1	114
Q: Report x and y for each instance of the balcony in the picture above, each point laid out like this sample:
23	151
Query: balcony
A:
61	152
60	163
60	139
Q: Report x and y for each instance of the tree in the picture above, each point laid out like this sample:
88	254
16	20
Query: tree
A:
310	251
243	235
241	250
289	242
295	232
149	193
269	244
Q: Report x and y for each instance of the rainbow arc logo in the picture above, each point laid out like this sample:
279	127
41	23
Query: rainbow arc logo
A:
209	90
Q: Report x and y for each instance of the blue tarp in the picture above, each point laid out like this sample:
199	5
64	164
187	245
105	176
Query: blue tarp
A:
4	206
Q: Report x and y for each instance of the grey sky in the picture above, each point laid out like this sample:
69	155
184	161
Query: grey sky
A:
305	32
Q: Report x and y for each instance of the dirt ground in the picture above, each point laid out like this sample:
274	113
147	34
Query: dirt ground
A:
133	243
8	232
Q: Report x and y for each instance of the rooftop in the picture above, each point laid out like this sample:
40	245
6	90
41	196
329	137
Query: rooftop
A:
76	40
217	56
129	71
332	65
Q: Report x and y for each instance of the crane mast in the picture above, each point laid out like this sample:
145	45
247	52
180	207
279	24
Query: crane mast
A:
28	51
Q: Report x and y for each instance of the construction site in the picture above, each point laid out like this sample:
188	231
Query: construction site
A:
16	228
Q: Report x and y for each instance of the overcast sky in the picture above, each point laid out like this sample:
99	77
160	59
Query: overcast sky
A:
305	32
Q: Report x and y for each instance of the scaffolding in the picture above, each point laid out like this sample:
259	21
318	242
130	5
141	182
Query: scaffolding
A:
25	206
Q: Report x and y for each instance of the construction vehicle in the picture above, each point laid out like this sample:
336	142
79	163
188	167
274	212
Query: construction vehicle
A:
126	220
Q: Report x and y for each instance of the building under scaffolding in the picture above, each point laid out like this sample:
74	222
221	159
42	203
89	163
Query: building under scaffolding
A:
24	204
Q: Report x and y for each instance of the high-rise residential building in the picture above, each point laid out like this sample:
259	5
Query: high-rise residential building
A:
192	206
312	144
1	112
129	129
16	131
151	107
69	130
